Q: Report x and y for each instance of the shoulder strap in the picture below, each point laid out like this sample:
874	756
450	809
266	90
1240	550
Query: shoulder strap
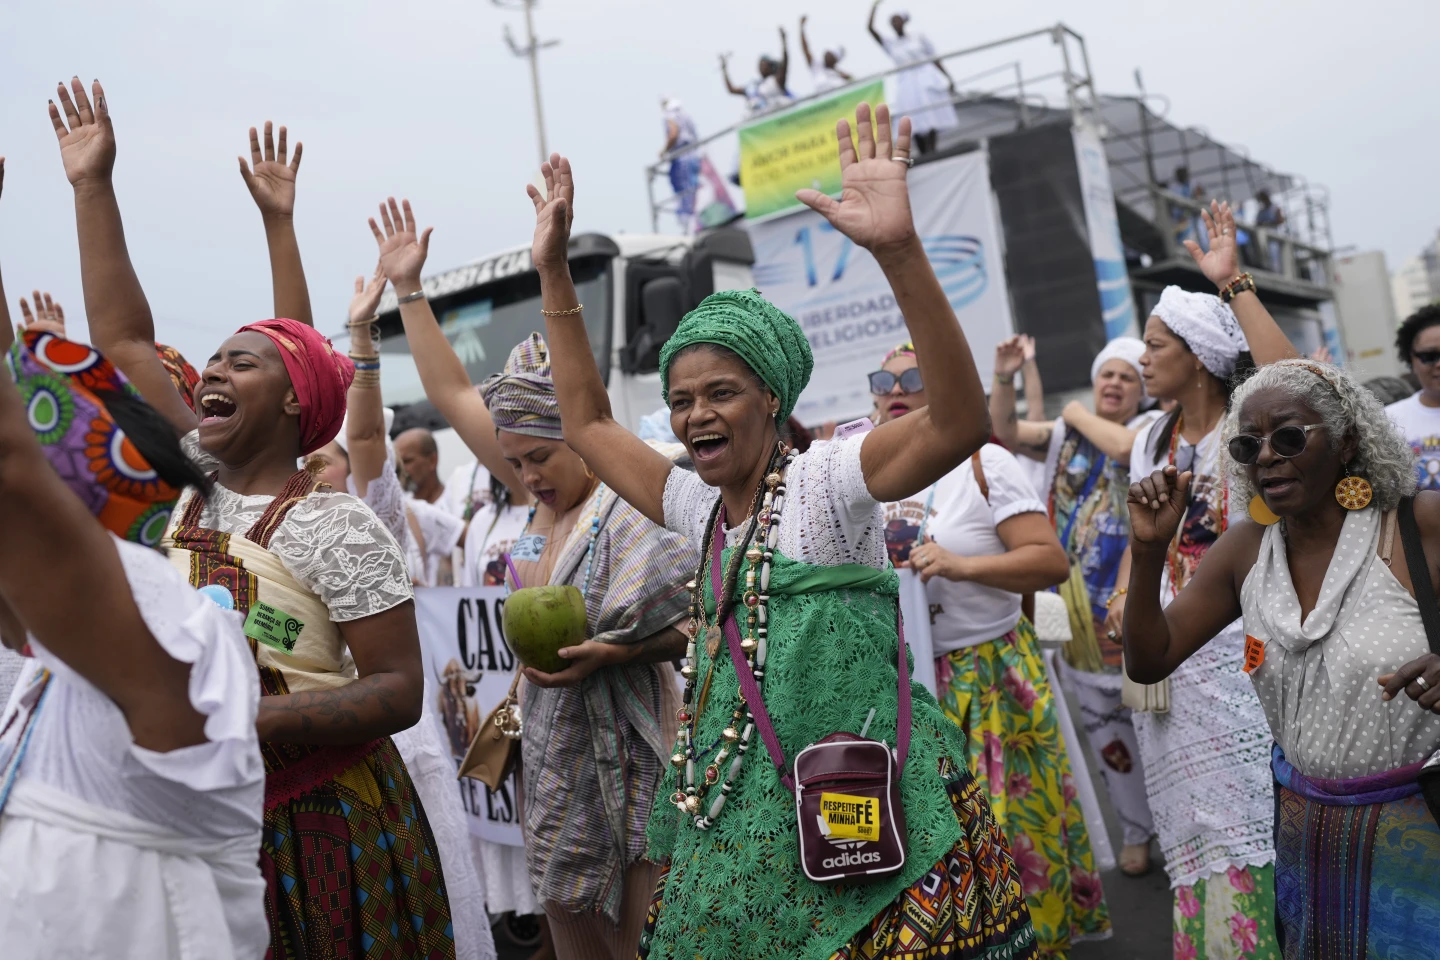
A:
414	524
1419	572
980	475
751	689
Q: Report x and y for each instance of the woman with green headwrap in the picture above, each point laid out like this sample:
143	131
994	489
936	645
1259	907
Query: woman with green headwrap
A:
825	593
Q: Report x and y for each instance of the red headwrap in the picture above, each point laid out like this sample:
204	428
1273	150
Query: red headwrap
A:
319	375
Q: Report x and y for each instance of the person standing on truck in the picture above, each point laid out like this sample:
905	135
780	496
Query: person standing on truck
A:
827	72
925	90
768	91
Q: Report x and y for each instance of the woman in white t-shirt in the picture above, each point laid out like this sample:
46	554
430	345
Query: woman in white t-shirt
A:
925	90
1418	416
1084	459
827	73
979	538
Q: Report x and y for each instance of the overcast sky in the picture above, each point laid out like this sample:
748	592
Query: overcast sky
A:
423	99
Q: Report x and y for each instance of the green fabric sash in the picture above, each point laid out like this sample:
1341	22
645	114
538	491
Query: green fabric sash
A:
737	890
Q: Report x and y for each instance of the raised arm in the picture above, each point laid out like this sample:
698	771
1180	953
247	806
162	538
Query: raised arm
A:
782	75
1157	640
118	314
447	385
805	44
630	466
725	75
1115	440
364	405
54	547
272	187
1221	265
870	24
1030	373
1027	438
906	455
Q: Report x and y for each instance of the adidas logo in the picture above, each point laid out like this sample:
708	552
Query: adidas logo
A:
851	859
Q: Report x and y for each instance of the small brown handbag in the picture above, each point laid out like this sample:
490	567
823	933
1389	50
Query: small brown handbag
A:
496	747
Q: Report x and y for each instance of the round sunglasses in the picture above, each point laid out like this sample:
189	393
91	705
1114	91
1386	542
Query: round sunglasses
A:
1286	443
883	381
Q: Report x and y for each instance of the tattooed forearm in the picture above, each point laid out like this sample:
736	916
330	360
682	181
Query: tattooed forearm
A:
373	706
668	644
1040	442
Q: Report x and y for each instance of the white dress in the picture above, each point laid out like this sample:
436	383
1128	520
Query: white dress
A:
1207	761
111	850
923	93
429	763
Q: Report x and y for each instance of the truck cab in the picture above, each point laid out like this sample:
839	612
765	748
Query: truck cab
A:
635	288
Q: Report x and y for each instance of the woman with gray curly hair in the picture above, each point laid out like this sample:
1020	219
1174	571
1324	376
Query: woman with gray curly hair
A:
1332	633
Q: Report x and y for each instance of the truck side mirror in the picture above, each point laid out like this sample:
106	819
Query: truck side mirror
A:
662	304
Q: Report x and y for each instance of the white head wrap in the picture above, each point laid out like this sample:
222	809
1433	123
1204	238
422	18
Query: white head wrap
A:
1204	322
838	53
1121	348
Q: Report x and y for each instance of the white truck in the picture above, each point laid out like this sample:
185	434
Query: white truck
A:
635	288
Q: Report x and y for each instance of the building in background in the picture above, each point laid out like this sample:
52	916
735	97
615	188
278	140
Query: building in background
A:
1417	280
1366	313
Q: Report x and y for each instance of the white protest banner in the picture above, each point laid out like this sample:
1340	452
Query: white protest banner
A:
468	669
840	298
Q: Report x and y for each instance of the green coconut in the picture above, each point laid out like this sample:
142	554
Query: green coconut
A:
540	621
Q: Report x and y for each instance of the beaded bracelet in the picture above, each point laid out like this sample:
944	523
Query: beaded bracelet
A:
1116	596
1238	286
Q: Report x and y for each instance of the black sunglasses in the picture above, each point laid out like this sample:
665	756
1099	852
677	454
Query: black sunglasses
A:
1427	357
1286	443
883	381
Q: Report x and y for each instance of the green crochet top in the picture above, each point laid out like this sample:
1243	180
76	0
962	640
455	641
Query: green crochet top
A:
737	889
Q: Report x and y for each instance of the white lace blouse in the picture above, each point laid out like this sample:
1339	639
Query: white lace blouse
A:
331	542
829	517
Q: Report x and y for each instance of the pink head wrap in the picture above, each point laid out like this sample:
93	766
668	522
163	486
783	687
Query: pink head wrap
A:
319	375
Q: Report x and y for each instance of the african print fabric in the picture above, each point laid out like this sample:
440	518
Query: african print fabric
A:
999	694
182	375
967	905
349	860
1355	865
1227	916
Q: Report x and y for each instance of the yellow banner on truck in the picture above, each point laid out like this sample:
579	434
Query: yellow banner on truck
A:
796	149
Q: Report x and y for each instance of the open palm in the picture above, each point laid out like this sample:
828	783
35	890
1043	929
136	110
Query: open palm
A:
403	248
272	182
554	213
1221	263
86	136
874	205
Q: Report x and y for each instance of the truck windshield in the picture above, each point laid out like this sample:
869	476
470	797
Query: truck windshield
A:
484	323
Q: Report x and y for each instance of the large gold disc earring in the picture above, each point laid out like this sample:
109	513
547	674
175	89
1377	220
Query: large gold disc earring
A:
1261	513
1354	493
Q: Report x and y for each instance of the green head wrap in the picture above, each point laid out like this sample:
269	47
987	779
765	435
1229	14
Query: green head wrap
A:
767	338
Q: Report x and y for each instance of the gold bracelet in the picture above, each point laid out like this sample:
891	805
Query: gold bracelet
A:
564	313
365	356
366	378
1116	596
375	318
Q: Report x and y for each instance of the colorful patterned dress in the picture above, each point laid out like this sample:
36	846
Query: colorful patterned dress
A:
993	685
348	857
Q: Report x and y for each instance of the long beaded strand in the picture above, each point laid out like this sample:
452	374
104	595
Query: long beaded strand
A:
759	554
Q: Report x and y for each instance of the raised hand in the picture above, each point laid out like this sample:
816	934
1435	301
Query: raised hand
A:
874	205
1221	263
554	213
272	182
49	316
1157	505
1009	356
367	295
87	138
402	248
1027	343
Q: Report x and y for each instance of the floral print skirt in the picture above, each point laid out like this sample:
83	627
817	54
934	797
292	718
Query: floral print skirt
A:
999	694
1227	916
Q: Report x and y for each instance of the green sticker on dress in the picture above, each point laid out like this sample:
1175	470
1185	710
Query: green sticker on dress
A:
273	627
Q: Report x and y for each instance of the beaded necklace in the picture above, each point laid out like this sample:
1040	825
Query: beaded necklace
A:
1172	555
761	550
589	550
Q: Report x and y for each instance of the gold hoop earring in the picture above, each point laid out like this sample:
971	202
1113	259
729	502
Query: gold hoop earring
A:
1354	493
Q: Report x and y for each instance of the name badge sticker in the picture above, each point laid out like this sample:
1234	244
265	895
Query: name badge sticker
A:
1254	653
854	428
273	627
528	548
847	817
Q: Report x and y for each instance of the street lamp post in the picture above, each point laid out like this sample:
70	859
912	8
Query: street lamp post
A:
530	51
